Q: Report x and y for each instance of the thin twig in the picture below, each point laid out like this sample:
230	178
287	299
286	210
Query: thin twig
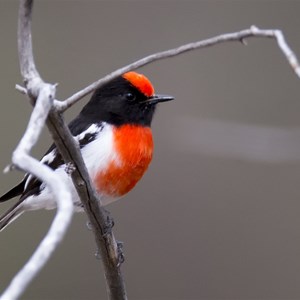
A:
98	217
31	77
24	161
70	152
42	95
227	37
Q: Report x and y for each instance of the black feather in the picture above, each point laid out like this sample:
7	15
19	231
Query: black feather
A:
15	191
33	185
110	103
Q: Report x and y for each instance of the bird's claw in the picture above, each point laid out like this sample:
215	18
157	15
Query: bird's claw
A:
70	168
109	224
121	256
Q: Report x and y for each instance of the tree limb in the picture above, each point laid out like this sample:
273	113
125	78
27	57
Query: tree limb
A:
70	152
239	36
43	95
100	221
22	159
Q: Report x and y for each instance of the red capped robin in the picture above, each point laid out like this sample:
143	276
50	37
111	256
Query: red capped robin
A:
115	139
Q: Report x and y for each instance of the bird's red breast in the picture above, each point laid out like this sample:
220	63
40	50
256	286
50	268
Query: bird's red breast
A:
134	147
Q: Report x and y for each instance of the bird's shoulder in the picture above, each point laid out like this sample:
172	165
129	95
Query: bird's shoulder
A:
83	133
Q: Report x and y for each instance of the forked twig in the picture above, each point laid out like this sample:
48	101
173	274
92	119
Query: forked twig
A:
42	95
239	36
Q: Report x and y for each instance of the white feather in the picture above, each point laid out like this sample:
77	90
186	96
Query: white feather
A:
94	128
47	159
97	155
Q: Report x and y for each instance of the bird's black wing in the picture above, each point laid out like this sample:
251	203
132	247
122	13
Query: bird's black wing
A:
15	191
31	185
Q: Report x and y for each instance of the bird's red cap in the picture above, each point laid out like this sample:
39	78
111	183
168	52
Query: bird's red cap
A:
141	82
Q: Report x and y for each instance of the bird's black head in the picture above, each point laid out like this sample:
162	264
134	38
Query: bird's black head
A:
128	99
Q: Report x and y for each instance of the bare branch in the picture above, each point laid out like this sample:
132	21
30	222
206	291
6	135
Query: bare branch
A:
27	66
36	89
43	94
239	36
287	51
100	221
24	161
21	89
70	152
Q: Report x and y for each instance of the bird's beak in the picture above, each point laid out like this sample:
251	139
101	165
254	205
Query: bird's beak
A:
159	98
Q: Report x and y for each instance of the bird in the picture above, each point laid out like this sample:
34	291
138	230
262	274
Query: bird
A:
113	131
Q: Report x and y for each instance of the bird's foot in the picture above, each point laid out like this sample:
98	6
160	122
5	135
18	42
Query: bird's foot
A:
70	168
109	224
120	252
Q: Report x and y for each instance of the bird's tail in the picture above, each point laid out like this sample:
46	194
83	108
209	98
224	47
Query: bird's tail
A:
9	216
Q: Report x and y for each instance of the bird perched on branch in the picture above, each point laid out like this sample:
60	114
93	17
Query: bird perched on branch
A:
115	139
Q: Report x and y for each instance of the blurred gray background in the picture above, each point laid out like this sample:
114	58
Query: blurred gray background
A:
217	214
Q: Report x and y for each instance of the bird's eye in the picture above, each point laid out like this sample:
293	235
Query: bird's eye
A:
130	97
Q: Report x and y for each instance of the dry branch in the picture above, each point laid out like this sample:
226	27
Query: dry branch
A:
239	36
70	152
21	158
37	91
43	95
